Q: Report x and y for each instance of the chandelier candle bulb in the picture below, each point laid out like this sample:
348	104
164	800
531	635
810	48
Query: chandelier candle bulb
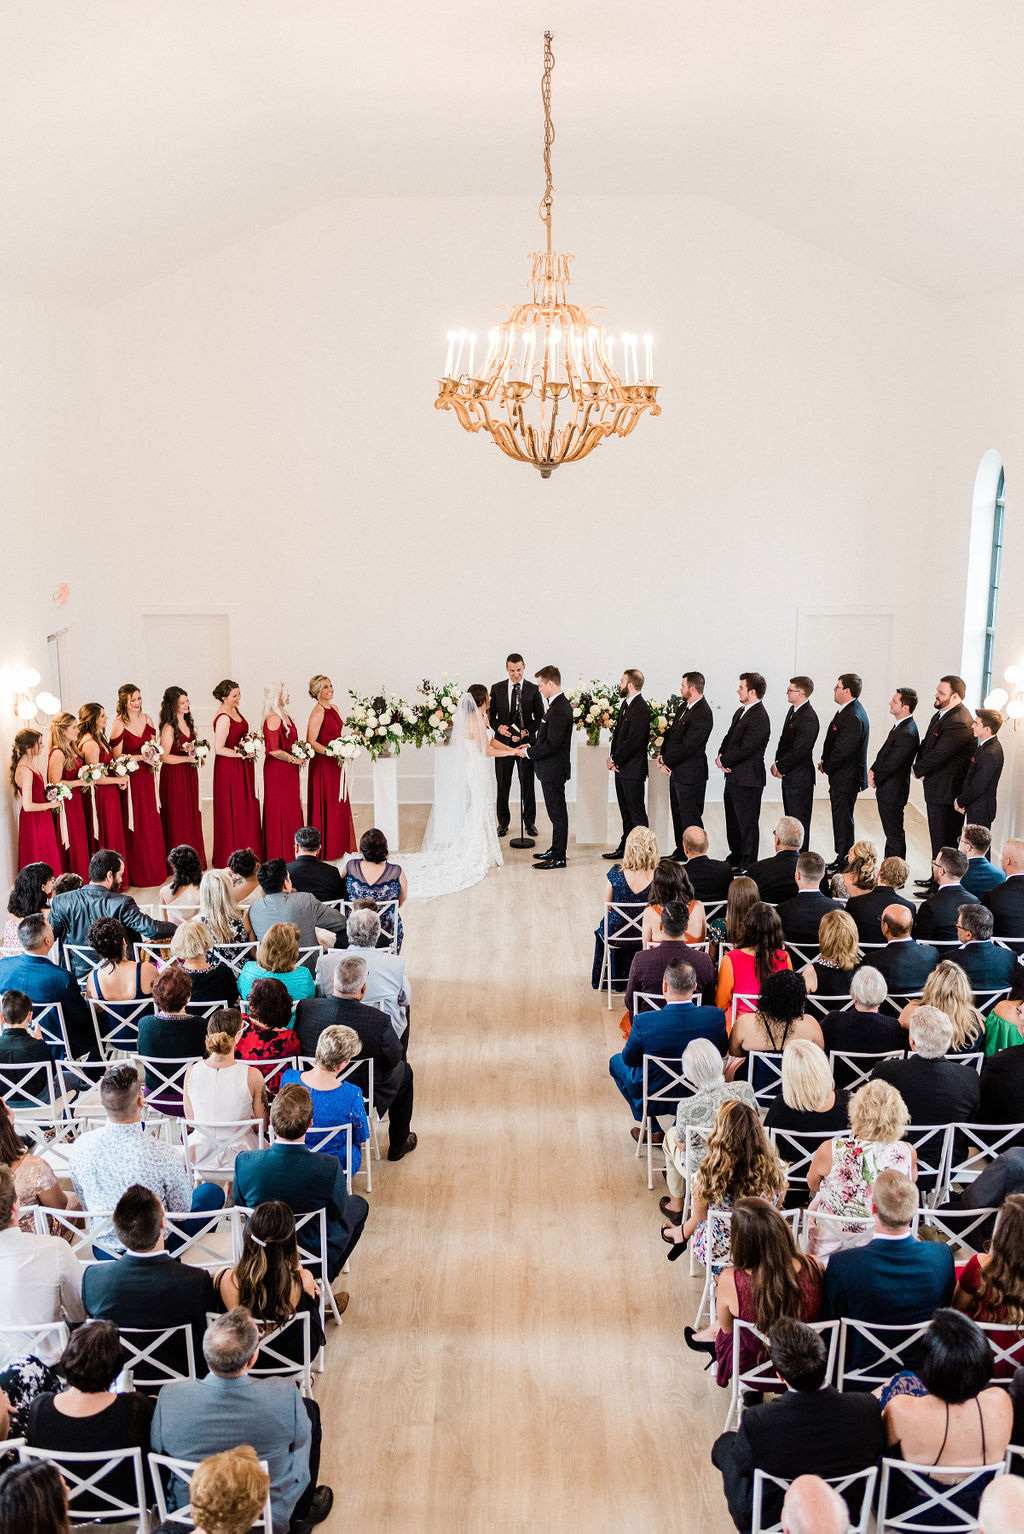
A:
472	354
452	338
458	355
648	358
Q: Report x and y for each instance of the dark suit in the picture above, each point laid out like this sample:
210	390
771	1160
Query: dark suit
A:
801	916
305	1180
861	1033
710	877
936	916
988	966
314	877
942	763
684	750
665	1032
550	754
804	1432
982	876
1002	1087
794	758
151	1292
893	1283
742	751
844	756
73	913
392	1076
647	970
523	729
631	738
867	909
892	767
978	791
775	877
935	1091
44	981
905	964
1006	902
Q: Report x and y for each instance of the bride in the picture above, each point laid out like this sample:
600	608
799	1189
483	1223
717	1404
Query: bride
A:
461	840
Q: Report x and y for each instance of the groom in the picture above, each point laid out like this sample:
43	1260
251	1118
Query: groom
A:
515	715
550	756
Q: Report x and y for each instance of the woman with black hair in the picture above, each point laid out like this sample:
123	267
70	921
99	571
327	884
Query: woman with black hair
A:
671	882
33	1499
781	1015
117	977
370	876
30	896
179	774
179	897
743	971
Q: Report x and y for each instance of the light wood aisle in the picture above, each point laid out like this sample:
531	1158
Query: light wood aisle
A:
512	1355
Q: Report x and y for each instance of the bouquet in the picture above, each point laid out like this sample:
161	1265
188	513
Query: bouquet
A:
250	746
150	754
594	709
380	724
344	748
122	767
302	751
198	750
56	793
91	772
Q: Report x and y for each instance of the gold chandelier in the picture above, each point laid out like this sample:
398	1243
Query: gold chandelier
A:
549	389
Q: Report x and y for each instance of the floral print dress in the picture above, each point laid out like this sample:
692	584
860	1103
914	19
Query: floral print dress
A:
844	1190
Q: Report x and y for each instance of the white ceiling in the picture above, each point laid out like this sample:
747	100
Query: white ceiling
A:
139	135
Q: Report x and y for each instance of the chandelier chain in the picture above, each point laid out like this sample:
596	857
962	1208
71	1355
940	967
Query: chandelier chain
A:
549	135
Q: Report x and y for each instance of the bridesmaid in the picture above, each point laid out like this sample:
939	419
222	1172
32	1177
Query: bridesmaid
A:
329	813
62	767
95	747
282	797
236	810
129	733
37	833
179	774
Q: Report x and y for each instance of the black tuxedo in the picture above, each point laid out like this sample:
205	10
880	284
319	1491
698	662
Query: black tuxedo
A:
905	965
844	756
936	917
742	751
631	738
392	1076
942	763
867	909
316	878
550	754
710	877
684	751
305	1180
151	1292
775	877
794	758
801	916
978	791
1006	902
524	729
891	769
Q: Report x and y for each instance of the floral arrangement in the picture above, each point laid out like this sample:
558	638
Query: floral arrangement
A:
437	710
594	708
662	715
250	746
123	767
382	724
198	750
302	751
150	754
56	793
91	772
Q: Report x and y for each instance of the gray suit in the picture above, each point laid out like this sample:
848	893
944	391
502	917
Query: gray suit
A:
197	1418
305	911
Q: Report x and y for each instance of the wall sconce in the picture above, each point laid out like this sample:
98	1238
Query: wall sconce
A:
22	682
1012	706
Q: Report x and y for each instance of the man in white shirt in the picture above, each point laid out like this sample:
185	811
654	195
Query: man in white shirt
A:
387	977
40	1280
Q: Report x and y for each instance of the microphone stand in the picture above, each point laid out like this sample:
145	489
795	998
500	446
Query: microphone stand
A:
522	841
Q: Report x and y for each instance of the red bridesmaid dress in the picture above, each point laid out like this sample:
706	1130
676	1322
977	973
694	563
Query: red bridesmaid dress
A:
146	834
113	820
330	814
282	799
179	801
236	810
75	856
37	834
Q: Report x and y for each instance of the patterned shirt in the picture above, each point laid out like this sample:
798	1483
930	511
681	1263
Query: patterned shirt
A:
104	1163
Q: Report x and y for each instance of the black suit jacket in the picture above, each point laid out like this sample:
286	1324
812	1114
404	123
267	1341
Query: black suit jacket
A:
684	748
988	966
743	747
867	909
1002	1086
380	1042
710	877
936	917
978	790
73	913
801	916
775	877
305	1180
935	1091
794	754
862	1033
905	966
631	737
531	703
894	761
1006	902
945	755
550	752
148	1292
844	752
316	878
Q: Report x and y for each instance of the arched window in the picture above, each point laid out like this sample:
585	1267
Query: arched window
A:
983	564
999	512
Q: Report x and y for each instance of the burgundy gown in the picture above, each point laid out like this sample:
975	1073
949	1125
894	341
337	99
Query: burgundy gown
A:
179	801
113	820
37	834
75	857
236	810
146	840
331	816
282	799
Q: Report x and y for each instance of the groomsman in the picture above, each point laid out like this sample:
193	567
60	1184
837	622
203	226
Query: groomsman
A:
977	797
942	763
741	758
794	754
684	758
631	738
844	761
890	771
515	713
550	756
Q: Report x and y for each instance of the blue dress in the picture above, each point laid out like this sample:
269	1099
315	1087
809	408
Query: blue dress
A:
622	953
298	982
343	1104
388	887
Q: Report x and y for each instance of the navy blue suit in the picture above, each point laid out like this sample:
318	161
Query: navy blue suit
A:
304	1180
988	966
44	982
664	1032
936	916
888	1282
982	876
1006	902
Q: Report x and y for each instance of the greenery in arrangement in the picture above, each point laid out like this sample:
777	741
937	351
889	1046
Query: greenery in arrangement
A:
594	707
383	723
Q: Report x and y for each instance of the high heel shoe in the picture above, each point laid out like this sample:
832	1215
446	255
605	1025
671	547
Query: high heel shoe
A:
694	1345
678	1247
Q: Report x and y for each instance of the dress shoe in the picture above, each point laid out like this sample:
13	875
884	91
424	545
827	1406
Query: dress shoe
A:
532	831
503	830
610	857
670	1214
657	1138
926	891
543	854
397	1152
323	1501
550	863
341	1299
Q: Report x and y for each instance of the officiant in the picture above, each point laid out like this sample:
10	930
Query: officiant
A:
515	715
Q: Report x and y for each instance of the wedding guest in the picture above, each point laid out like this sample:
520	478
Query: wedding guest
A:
937	916
307	870
117	977
219	1090
21	1043
838	956
72	914
37	832
628	886
1006	900
236	812
890	771
63	765
40	1279
327	808
277	958
664	1032
228	1491
131	731
387	975
179	897
628	753
223	917
335	1103
282	903
684	759
860	875
171	1033
267	1033
32	972
809	1101
844	761
801	916
740	1162
64	883
648	967
844	1168
948	989
30	896
711	877
268	1278
977	797
243	866
1004	1025
862	1028
371	877
982	874
109	792
779	1016
743	896
703	1070
671	883
794	757
1001	1509
775	877
743	971
191	949
904	963
867	906
991	1287
282	770
741	758
179	774
33	1496
935	1090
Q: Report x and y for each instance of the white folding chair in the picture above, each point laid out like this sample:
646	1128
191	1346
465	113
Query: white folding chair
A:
648	1001
935	1506
273	1070
47	1340
892	1350
933	1144
79	958
116	1025
385	909
84	1475
86	1231
157	1356
694	1146
823	1005
796	1148
1009	1356
802	953
974	1145
761	1376
826	1233
234	955
852	1070
764	1074
274	1361
202	1240
182	1470
664	1098
165	1084
320	1137
155	953
857	1490
965	1230
205	1009
28	1092
631	913
358	1067
716	1218
207	1146
49	1015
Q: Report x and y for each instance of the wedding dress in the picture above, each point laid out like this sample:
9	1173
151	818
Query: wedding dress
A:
461	840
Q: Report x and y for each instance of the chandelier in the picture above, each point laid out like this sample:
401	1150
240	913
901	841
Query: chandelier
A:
551	386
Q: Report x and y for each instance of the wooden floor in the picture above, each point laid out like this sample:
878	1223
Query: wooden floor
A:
512	1356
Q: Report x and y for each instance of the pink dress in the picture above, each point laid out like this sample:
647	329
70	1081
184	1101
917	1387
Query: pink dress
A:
179	801
282	799
75	856
37	834
329	813
146	837
113	820
236	810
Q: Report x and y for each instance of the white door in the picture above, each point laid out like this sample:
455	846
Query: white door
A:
190	650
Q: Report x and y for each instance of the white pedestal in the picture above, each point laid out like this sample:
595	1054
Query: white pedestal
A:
591	796
385	797
659	808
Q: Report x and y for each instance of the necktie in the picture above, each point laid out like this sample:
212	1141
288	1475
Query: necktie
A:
517	712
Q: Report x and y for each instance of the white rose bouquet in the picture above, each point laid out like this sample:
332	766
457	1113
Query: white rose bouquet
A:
344	748
91	772
150	754
123	767
198	750
303	752
250	746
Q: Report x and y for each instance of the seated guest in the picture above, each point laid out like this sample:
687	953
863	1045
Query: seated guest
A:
1001	1510
845	1168
21	1043
948	989
387	978
988	965
812	1428
709	876
861	1028
309	873
775	877
283	904
228	1492
740	1162
768	1279
991	1286
665	1032
224	918
935	1090
35	1181
648	967
838	956
809	1100
33	1496
179	897
190	949
1004	1025
743	971
117	977
301	1178
72	915
982	875
44	982
937	916
812	1506
243	867
731	923
195	1418
671	885
170	1033
628	885
371	877
703	1070
277	958
866	909
30	895
90	1416
40	1279
335	1103
903	963
1002	1086
268	1034
860	876
65	882
780	1016
801	916
220	1091
268	1278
